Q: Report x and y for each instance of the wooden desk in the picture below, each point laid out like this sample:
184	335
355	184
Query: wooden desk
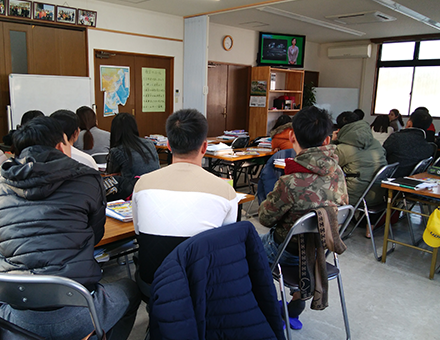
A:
432	192
236	161
116	230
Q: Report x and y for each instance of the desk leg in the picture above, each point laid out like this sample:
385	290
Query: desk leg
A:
387	225
433	263
239	212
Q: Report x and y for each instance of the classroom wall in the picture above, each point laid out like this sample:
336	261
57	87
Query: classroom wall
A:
135	21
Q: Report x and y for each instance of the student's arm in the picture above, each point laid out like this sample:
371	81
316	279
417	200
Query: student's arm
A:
97	212
276	205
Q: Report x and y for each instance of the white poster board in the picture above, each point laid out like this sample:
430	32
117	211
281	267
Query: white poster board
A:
47	94
337	100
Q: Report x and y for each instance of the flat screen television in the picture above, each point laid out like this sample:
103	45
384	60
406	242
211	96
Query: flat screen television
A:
284	50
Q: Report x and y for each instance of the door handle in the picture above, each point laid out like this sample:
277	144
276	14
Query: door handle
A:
224	113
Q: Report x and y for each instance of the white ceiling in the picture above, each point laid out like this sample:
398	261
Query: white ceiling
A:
254	19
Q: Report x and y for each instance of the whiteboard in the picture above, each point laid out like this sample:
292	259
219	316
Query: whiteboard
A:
337	100
47	94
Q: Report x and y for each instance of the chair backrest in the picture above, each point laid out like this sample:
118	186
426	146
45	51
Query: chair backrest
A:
436	162
309	224
43	291
240	142
421	166
387	171
256	141
100	158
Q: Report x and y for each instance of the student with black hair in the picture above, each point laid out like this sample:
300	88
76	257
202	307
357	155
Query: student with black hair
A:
313	179
280	133
52	216
360	113
91	139
381	128
360	156
70	124
27	116
396	120
129	155
409	146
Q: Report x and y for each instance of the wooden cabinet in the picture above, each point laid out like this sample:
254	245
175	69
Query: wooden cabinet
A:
279	82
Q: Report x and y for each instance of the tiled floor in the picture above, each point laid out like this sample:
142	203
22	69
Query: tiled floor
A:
395	300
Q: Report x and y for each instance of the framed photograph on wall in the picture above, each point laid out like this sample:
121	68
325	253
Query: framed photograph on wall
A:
87	18
3	7
44	11
66	15
20	8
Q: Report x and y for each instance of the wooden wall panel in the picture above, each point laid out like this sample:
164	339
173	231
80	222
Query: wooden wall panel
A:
46	54
73	52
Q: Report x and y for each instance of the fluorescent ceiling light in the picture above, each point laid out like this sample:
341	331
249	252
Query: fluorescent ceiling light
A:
409	13
309	20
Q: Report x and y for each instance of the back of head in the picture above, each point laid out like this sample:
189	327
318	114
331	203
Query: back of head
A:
68	120
360	113
283	119
311	126
345	118
124	129
421	119
187	129
43	131
381	123
29	115
87	120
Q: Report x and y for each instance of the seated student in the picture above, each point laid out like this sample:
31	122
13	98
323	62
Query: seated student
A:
27	116
91	139
360	156
381	129
280	133
69	122
129	154
360	113
396	121
430	131
315	180
182	199
409	146
52	216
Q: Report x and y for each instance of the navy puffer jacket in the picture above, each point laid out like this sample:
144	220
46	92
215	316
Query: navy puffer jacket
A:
216	285
52	213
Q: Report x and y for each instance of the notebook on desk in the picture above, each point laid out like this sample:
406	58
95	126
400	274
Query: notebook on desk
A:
410	183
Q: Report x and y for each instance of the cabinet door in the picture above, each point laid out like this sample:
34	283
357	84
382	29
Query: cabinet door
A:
18	49
217	99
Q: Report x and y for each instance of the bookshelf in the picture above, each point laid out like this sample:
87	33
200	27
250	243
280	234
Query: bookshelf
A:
279	82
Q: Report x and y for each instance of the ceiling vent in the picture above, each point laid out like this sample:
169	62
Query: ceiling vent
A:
254	24
361	18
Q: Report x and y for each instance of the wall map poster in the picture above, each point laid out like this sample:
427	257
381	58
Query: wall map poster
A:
115	82
153	89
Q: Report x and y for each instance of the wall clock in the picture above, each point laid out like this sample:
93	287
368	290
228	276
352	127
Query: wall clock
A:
227	42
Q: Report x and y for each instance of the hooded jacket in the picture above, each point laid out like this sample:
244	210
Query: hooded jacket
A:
360	156
315	181
280	137
52	213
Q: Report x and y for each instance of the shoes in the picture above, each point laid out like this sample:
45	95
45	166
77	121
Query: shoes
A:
294	322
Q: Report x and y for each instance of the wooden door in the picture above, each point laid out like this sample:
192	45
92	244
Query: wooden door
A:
148	122
217	99
153	122
112	59
228	97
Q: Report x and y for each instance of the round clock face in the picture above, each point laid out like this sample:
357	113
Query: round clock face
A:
227	42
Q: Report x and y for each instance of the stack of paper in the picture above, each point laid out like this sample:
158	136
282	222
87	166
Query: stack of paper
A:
158	140
279	161
219	149
236	133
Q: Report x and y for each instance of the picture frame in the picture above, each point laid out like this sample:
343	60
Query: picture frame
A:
66	15
3	7
20	8
87	18
45	12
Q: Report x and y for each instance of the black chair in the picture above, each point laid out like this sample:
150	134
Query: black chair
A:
383	173
290	274
100	158
44	291
240	142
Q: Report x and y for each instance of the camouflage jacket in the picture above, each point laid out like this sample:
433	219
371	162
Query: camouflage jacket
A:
317	181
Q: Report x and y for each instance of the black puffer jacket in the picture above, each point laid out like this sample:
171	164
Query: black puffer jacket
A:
52	213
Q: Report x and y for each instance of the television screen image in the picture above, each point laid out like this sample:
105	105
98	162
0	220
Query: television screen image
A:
281	50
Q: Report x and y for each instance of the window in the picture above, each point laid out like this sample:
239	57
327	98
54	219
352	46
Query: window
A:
408	76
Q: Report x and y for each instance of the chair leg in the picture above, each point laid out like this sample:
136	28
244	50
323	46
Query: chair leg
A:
284	300
342	298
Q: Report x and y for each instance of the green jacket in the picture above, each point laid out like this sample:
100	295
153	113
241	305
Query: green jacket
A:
316	181
360	156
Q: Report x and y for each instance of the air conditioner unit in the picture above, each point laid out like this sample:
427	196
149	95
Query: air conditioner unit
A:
346	52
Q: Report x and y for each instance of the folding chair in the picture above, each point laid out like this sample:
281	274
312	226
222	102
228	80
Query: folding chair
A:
383	173
290	274
43	291
100	158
